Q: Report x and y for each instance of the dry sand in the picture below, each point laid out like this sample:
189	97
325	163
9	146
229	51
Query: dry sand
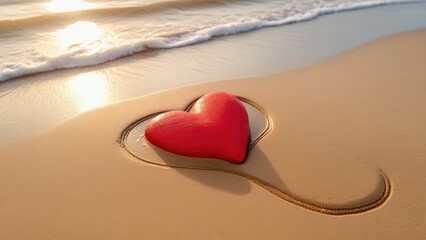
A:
334	125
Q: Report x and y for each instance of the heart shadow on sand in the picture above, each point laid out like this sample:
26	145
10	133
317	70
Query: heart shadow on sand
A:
133	141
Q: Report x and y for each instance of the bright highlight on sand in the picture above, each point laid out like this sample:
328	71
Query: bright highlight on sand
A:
89	89
78	33
68	5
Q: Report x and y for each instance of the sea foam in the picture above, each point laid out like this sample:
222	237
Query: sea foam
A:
81	58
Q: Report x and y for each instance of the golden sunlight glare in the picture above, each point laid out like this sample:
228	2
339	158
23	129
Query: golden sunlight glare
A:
77	33
68	5
89	90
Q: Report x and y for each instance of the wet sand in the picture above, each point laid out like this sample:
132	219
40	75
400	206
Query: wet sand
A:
44	100
335	125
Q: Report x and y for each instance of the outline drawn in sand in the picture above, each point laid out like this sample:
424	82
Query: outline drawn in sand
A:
140	148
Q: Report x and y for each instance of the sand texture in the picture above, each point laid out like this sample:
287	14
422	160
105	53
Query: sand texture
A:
341	155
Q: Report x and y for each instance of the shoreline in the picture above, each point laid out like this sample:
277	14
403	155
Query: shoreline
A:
44	100
334	124
175	41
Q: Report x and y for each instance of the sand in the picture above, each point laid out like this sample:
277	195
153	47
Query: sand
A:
336	127
43	100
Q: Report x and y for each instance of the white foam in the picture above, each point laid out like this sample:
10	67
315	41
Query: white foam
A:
277	17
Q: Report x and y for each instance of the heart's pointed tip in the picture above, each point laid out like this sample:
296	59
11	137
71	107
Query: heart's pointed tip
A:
235	161
235	157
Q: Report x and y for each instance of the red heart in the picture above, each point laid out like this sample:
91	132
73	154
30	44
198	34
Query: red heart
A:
216	127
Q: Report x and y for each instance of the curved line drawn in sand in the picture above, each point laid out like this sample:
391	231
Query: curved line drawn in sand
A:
141	149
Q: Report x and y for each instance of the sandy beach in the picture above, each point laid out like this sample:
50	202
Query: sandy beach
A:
345	133
47	99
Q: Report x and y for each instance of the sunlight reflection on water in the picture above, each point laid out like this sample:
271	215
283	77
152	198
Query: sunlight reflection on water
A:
78	33
89	90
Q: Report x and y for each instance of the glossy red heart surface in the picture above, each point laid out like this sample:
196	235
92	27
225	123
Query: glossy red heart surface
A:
216	127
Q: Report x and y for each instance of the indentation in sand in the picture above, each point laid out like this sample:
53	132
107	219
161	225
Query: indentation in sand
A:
343	169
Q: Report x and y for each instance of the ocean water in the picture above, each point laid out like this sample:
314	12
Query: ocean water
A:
41	36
